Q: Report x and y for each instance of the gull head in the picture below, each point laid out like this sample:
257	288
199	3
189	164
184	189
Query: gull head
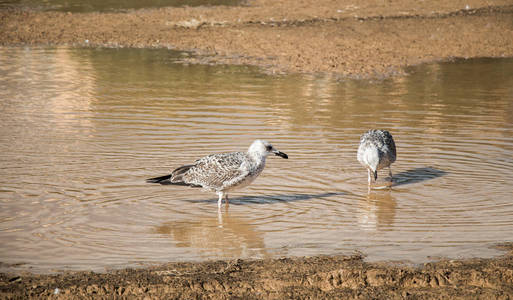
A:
263	148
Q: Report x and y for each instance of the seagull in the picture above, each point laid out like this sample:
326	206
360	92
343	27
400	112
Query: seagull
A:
376	151
223	172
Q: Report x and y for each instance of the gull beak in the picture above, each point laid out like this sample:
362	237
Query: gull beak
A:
281	154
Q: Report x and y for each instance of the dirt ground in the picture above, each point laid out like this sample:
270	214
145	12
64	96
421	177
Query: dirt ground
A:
348	38
322	277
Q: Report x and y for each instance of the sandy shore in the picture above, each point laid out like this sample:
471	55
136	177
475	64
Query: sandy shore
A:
348	38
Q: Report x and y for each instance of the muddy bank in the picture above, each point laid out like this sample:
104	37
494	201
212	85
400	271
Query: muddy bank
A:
346	38
314	277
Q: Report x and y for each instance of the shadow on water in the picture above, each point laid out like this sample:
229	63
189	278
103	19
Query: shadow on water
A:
417	175
270	199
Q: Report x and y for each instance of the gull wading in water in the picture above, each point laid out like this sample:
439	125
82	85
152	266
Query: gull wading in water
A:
222	172
376	151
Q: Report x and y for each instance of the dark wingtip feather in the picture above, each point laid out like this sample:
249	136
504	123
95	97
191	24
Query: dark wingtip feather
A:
175	178
161	179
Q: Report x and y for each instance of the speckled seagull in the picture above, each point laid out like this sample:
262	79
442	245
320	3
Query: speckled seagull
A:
376	151
222	172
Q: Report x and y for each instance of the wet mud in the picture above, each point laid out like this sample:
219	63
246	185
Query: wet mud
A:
322	277
346	38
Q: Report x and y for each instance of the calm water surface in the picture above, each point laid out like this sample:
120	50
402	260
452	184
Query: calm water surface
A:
80	131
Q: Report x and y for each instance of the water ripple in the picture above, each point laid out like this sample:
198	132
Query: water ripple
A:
81	129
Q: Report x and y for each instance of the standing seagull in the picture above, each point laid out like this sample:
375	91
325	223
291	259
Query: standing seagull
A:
376	151
222	172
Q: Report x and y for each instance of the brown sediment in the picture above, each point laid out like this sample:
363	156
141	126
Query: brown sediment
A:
336	277
347	38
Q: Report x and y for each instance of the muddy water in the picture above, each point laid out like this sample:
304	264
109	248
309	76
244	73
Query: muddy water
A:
80	131
110	5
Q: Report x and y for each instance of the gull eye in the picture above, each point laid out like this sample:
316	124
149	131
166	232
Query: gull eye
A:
268	147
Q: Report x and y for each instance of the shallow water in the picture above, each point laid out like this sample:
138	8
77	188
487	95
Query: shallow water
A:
108	5
82	129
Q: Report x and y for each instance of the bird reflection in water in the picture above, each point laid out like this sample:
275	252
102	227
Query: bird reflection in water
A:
377	210
223	236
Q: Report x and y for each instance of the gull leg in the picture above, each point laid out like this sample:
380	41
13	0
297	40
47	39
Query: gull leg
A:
369	173
390	172
226	200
